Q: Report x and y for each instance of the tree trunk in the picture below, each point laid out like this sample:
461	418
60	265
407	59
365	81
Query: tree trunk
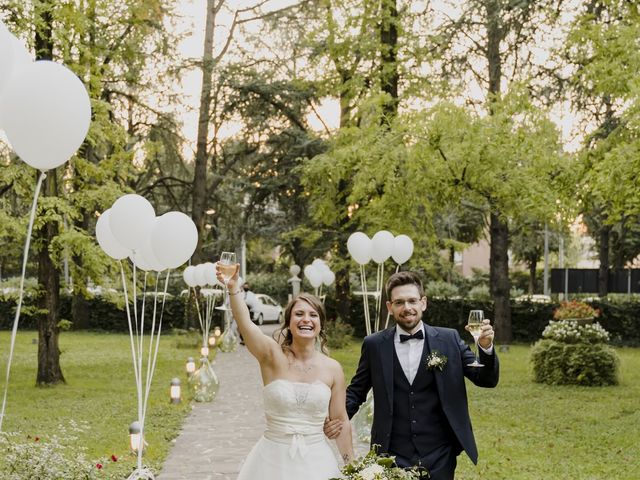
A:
603	256
533	265
499	278
49	371
499	257
389	76
199	193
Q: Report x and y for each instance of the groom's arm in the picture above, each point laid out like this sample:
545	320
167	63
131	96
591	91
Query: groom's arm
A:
361	382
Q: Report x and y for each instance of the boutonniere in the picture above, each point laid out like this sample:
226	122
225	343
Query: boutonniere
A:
436	361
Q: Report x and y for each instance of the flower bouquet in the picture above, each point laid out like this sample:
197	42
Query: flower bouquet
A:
377	467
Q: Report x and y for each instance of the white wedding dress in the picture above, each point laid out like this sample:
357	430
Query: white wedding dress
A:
293	446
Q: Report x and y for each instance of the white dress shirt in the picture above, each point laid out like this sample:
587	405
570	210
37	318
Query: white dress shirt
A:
409	352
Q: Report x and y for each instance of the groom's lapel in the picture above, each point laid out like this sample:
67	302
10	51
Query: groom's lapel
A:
436	344
386	354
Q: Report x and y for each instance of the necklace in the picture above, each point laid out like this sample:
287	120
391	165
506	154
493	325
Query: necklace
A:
302	368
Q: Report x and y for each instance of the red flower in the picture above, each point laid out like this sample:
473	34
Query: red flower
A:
99	466
114	458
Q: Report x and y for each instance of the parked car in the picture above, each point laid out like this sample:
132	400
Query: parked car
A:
266	309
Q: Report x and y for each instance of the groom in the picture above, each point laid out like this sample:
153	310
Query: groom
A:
421	415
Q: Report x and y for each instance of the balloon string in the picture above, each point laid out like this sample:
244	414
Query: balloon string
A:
14	331
367	315
386	323
155	353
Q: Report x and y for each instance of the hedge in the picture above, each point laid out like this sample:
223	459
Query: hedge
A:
104	315
528	319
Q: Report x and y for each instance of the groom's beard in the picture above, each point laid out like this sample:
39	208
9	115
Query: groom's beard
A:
409	320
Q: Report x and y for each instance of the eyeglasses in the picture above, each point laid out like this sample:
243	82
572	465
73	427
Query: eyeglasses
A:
411	302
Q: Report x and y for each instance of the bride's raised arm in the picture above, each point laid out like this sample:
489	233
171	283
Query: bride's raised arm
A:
260	345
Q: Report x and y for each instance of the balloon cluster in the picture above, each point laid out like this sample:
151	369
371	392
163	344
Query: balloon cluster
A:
201	275
319	273
131	229
379	248
45	109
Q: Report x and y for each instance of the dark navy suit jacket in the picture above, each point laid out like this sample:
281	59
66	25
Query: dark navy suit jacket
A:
375	370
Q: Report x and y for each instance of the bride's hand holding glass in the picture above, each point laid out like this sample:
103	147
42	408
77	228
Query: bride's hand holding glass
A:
227	274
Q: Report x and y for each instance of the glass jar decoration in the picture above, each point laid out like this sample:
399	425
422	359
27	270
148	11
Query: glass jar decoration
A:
229	340
204	382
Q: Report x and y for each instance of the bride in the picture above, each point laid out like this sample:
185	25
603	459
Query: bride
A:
302	386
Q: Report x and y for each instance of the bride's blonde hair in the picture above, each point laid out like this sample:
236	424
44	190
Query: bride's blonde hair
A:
283	335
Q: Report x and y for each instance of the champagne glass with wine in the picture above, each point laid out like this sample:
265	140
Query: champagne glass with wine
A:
227	266
474	325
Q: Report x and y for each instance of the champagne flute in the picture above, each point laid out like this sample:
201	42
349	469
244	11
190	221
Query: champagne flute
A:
227	266
475	328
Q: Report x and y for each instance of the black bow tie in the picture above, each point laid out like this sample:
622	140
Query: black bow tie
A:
418	334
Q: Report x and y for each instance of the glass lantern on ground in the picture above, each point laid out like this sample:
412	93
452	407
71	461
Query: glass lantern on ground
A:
190	366
204	382
134	436
175	391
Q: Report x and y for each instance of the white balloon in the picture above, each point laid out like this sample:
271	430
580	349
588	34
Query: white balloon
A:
107	241
210	273
381	246
200	275
189	276
313	276
139	261
46	113
359	246
149	257
328	277
174	238
13	57
402	249
132	217
321	266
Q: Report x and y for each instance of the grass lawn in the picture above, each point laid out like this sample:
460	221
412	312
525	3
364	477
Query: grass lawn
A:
523	430
100	394
526	430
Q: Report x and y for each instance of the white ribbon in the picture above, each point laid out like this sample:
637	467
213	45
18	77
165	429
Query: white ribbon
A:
298	443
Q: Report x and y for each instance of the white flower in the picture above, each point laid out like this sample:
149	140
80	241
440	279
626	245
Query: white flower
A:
436	361
371	471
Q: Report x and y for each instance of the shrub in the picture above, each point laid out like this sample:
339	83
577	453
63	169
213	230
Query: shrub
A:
575	309
480	293
338	333
54	459
557	363
440	289
571	353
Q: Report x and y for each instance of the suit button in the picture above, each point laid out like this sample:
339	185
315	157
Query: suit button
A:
413	406
413	421
411	393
